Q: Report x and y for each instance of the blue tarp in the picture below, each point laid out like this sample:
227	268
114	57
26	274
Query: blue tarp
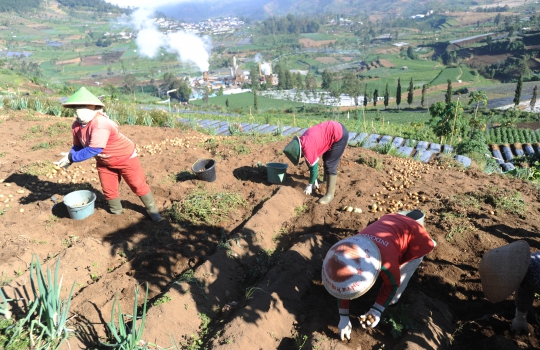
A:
424	156
507	166
422	145
466	161
528	150
385	139
507	153
435	147
405	150
498	156
398	142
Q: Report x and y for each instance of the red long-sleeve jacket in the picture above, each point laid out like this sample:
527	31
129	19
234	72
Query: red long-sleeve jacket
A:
400	239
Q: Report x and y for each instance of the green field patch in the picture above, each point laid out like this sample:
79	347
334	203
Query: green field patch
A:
312	63
248	47
452	22
318	36
246	99
448	73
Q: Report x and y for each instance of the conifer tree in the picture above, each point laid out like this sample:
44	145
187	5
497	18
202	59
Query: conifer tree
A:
519	86
398	92
386	97
533	99
448	97
366	97
410	95
423	101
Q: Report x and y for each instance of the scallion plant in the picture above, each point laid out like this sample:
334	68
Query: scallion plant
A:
50	325
127	337
4	307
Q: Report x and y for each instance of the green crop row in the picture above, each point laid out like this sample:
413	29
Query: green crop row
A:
511	135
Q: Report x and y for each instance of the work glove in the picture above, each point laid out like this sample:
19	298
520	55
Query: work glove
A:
370	319
309	187
345	327
519	323
64	162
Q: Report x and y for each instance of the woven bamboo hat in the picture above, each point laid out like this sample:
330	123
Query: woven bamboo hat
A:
82	97
351	267
502	270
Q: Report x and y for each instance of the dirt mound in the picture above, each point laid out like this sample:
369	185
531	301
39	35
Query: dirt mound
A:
252	279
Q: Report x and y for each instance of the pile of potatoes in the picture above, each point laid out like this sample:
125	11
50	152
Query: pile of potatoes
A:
168	144
73	174
402	176
8	195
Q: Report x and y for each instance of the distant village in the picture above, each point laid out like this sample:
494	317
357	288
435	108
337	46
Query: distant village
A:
226	25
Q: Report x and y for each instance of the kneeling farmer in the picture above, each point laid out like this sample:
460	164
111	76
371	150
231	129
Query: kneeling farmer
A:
393	247
328	140
95	135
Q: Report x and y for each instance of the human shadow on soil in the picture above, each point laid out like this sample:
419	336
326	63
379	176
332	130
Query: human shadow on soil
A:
259	175
41	192
511	234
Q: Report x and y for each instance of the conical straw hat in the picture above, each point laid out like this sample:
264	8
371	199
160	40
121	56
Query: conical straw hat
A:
502	270
293	151
82	97
351	267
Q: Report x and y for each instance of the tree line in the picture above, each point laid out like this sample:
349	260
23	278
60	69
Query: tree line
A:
290	24
19	5
96	5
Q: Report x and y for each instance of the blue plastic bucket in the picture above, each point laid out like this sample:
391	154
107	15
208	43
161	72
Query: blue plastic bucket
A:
276	172
80	204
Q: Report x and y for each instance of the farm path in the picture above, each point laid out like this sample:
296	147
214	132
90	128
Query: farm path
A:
252	280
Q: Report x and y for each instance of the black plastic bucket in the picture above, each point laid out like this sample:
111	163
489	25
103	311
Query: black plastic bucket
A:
205	169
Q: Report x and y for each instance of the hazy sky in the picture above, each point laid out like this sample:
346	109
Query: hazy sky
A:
143	3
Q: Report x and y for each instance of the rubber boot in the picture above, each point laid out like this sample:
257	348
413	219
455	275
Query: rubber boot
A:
151	208
330	190
115	206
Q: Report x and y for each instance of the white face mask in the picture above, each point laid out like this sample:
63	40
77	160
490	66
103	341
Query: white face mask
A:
85	115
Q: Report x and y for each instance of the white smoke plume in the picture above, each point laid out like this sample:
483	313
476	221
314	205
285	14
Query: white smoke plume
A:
266	69
190	48
257	57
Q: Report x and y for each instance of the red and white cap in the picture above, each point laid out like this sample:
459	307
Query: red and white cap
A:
351	267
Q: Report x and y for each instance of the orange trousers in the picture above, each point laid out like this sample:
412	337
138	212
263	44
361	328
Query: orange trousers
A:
130	170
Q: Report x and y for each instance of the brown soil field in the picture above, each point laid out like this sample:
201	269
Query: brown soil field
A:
255	274
483	60
104	79
468	18
326	60
510	3
346	58
92	61
71	61
387	50
74	37
385	63
312	43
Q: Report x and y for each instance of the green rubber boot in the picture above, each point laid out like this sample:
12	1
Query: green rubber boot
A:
151	207
330	190
115	206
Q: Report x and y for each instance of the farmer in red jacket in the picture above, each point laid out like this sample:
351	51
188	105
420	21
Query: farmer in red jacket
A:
95	135
391	247
327	139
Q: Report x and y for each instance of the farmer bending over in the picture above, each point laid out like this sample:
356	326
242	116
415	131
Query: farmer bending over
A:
95	135
328	140
393	247
512	268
